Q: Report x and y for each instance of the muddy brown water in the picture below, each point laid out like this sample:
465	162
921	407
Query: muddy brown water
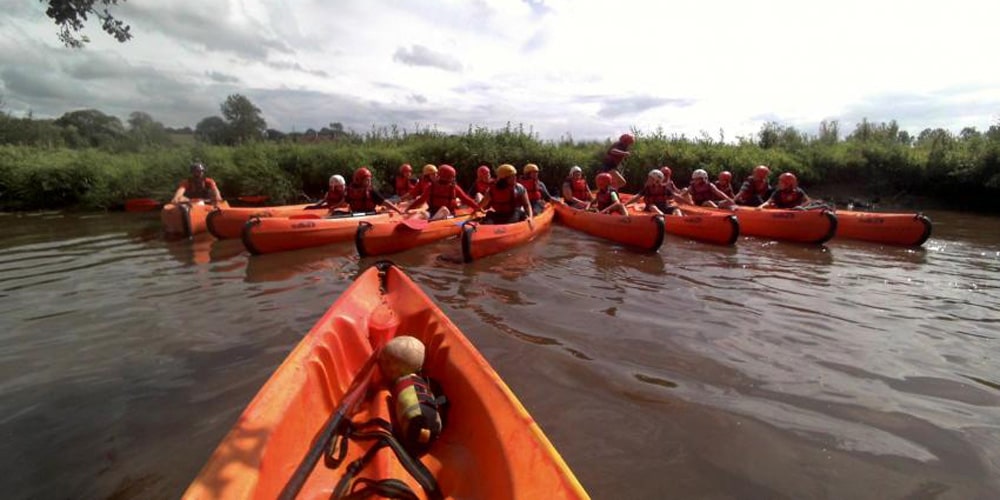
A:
762	370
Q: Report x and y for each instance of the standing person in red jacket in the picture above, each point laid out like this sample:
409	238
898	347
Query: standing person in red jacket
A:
614	157
536	188
197	187
442	196
575	191
362	198
484	178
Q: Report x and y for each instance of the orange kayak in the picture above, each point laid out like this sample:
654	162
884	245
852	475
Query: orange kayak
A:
228	223
187	219
489	447
279	234
799	226
890	229
393	235
481	240
640	230
720	229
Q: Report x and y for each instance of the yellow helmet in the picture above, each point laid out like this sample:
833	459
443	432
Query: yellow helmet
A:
506	170
529	168
430	169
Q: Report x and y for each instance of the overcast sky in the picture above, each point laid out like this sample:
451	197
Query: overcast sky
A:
584	69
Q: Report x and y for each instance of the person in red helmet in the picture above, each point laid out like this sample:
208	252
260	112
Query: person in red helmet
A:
756	189
362	198
537	192
703	193
668	179
788	194
442	196
484	178
508	199
725	183
403	182
427	177
614	157
197	188
575	191
656	194
336	195
606	199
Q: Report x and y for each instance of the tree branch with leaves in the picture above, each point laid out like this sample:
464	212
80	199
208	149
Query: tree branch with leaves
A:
70	16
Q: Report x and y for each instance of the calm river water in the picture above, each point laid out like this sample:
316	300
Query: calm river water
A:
764	370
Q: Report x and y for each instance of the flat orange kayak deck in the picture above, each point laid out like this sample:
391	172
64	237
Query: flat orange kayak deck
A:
643	231
482	240
187	219
490	447
228	223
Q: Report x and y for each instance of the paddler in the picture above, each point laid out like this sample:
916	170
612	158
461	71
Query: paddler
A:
756	189
403	182
508	199
725	183
656	194
362	198
575	191
197	187
704	193
606	199
537	192
442	196
428	176
484	178
788	194
336	195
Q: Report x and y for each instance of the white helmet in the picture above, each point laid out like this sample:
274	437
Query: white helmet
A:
699	173
656	174
575	169
337	180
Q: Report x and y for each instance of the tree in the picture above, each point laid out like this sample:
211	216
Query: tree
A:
244	119
145	131
70	15
91	128
212	130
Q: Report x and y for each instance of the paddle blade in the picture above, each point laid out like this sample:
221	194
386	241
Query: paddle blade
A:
141	205
414	223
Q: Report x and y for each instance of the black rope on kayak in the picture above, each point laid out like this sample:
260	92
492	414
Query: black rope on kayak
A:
381	432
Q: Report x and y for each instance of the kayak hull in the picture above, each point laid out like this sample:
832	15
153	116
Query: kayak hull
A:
643	231
490	446
281	234
799	226
482	240
187	219
392	236
719	229
890	229
228	223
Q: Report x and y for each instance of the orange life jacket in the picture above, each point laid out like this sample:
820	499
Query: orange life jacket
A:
442	195
789	198
504	200
701	192
334	198
531	185
656	194
403	185
360	198
604	198
483	187
579	187
194	189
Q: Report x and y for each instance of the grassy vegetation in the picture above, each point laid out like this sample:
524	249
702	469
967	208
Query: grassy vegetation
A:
876	158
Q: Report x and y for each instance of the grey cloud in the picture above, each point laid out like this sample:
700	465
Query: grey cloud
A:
538	7
297	67
202	24
621	106
417	98
221	77
536	42
418	55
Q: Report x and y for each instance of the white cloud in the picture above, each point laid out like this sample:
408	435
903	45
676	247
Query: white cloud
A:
585	68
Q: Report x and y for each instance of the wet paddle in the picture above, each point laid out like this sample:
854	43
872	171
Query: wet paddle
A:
414	222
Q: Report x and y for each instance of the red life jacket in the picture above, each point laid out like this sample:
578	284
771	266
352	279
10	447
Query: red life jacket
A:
579	187
790	198
725	188
701	192
504	201
604	199
754	191
403	185
442	195
483	187
334	198
194	189
360	198
656	194
531	185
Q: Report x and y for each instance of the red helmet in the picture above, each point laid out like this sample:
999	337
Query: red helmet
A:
603	180
362	173
627	139
483	171
446	173
726	176
406	169
787	180
761	172
666	171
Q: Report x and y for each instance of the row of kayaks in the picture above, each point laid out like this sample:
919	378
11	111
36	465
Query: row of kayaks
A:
283	228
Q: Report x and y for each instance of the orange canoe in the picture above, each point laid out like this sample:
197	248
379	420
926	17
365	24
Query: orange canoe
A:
481	240
187	219
279	234
640	230
393	235
800	226
489	448
720	229
890	229
228	223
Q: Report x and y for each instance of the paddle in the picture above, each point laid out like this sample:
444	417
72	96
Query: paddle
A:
141	205
348	407
414	222
339	215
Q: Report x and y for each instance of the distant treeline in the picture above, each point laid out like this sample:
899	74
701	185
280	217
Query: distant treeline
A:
89	160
